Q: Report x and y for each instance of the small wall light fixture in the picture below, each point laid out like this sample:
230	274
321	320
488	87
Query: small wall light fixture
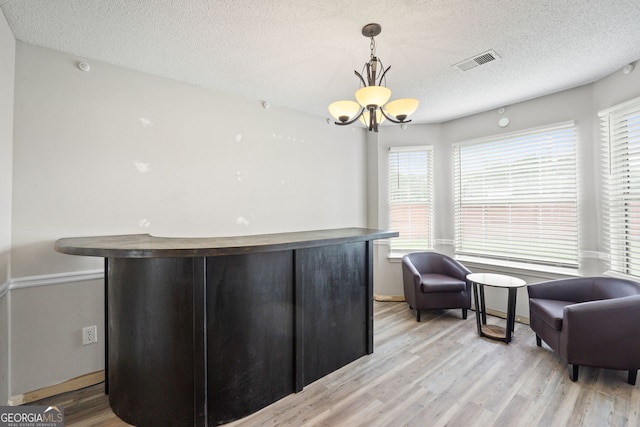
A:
628	68
84	66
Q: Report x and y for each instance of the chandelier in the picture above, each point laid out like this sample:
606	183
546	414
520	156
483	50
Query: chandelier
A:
372	108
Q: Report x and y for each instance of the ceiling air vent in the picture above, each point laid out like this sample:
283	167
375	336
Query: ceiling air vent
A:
480	59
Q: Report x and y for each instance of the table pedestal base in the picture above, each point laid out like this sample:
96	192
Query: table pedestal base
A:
494	332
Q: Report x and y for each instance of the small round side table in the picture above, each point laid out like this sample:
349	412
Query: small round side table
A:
479	281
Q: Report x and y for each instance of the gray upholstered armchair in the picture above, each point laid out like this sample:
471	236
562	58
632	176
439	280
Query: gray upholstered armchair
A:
589	321
435	281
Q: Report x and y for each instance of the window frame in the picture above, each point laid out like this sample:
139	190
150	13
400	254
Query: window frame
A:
400	246
496	236
621	176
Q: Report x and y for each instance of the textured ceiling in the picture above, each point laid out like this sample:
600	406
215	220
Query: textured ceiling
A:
301	54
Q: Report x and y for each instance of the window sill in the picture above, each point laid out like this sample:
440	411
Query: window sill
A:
521	267
501	266
397	256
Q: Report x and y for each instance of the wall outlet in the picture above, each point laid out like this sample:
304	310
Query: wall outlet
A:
89	335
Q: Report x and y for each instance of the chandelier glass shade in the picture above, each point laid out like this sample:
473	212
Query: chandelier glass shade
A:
344	110
373	95
401	108
372	108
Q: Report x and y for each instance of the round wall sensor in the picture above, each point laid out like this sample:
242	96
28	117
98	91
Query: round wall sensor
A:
503	122
501	110
84	66
628	68
265	105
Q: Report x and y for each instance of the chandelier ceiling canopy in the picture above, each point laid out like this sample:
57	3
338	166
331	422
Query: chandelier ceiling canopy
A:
372	107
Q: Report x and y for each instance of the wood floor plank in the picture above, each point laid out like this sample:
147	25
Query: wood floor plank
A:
436	372
399	408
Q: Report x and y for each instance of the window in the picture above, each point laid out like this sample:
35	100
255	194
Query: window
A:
411	197
516	197
621	138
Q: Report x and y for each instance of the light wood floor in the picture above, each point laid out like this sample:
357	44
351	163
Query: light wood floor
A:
434	373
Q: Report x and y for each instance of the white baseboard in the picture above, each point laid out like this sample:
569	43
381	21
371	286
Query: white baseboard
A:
73	384
387	298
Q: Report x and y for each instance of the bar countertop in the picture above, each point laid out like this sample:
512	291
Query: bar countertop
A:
147	246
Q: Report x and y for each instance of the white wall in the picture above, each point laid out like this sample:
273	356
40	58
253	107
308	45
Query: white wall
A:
116	151
7	67
580	104
46	341
113	151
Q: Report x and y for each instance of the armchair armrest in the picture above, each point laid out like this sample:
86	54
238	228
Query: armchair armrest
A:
410	281
454	269
411	270
602	333
573	289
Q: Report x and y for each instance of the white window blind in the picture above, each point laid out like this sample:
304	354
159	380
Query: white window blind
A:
411	197
516	197
621	138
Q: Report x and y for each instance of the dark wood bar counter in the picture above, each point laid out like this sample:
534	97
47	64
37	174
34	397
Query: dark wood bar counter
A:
203	331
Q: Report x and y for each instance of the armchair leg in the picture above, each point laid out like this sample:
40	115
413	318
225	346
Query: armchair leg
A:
631	379
417	315
464	313
573	372
538	341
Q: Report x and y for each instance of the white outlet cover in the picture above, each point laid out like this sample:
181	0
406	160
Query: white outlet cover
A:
89	335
